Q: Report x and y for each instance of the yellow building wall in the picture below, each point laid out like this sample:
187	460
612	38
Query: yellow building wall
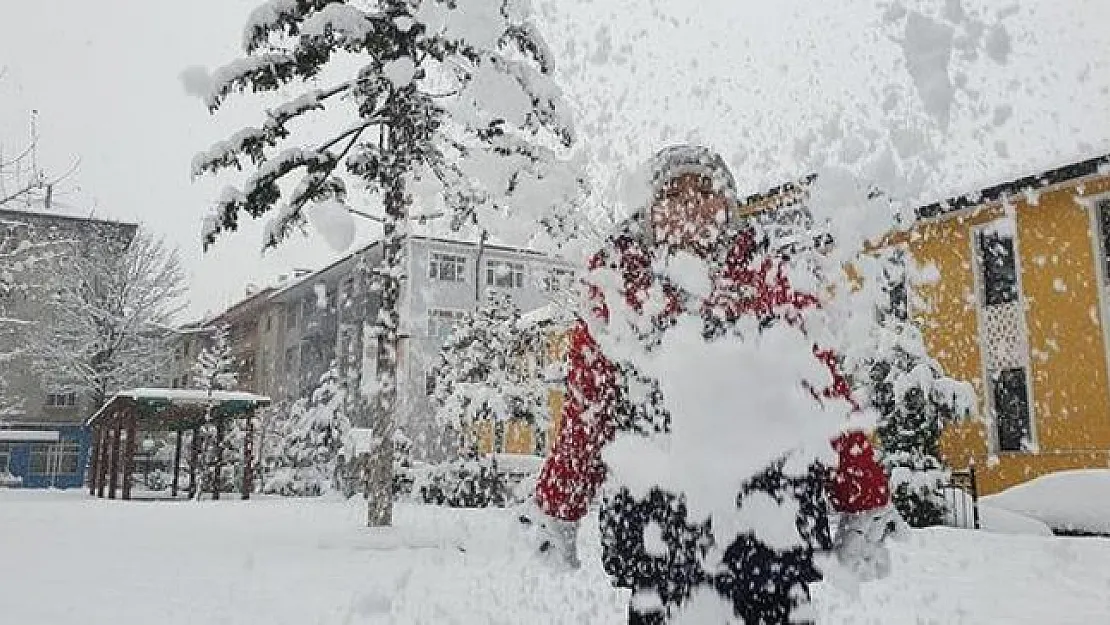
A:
1070	392
483	434
520	437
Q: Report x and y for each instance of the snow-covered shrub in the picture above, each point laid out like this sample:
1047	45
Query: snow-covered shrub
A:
914	398
483	373
312	436
463	483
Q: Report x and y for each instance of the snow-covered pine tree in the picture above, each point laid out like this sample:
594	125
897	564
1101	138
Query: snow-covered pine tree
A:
913	396
487	372
448	94
476	377
216	369
315	432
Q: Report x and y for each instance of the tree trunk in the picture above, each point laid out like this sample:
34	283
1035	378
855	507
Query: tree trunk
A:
379	470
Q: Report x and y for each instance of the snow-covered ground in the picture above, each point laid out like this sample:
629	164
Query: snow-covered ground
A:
66	559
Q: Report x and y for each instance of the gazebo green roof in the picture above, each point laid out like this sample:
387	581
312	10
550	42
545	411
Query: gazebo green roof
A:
179	409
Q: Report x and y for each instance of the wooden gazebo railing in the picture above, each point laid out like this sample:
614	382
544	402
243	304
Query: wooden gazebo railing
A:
115	429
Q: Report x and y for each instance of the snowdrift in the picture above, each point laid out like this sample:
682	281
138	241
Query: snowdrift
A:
1074	502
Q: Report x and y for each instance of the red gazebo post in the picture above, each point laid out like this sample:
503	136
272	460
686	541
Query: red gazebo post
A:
94	459
248	456
113	468
219	463
195	458
129	454
176	463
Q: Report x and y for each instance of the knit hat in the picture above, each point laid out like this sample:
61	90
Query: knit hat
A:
675	161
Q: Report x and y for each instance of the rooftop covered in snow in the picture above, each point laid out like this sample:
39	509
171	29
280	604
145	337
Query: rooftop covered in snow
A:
177	408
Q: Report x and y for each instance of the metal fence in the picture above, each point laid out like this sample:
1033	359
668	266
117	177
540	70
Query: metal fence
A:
961	495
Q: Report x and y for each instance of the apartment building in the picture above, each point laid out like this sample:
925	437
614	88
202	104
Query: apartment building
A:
289	335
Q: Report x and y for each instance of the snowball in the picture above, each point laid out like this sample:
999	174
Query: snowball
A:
690	273
334	223
653	540
196	80
400	71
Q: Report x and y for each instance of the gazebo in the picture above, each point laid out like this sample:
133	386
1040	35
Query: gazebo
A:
116	425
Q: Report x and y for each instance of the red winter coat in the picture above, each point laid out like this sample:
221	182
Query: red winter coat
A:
574	470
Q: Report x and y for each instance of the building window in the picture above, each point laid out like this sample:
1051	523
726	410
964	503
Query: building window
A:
897	302
306	355
442	322
998	262
1102	210
54	458
290	359
5	458
447	267
290	316
247	366
1010	392
556	279
348	290
504	274
269	322
61	399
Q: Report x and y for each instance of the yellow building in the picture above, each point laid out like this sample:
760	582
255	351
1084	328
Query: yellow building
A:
543	350
1021	311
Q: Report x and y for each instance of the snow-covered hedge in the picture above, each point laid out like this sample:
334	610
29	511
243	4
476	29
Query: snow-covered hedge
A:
496	480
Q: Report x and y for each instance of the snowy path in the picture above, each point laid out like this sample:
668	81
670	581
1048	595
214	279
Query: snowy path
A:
69	560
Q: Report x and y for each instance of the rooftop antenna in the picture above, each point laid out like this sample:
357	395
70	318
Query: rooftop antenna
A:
34	142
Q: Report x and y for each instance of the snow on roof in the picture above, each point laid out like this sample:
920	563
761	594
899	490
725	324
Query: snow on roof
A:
29	436
554	313
61	211
188	400
192	395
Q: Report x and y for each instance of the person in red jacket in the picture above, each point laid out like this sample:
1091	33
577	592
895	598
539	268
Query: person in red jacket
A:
651	543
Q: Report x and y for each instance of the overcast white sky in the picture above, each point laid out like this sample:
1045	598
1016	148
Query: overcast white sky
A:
746	77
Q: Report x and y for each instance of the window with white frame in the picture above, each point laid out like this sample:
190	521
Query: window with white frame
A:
290	315
896	304
998	263
557	279
54	458
1004	337
1010	395
442	321
504	274
61	399
1102	213
447	267
5	458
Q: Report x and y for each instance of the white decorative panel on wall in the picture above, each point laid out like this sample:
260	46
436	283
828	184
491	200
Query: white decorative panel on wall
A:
1005	343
